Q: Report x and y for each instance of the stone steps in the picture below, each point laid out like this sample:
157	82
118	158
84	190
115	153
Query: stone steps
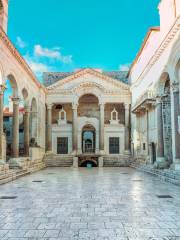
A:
58	161
117	161
167	175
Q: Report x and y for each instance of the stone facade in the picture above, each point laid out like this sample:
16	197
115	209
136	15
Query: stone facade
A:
88	109
94	116
155	80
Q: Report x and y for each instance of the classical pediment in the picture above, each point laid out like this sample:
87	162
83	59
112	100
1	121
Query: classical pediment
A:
88	79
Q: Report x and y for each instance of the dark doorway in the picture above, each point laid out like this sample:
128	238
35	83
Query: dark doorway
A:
153	146
62	145
88	139
88	163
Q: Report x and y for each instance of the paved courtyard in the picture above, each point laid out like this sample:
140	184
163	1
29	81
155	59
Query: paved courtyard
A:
99	204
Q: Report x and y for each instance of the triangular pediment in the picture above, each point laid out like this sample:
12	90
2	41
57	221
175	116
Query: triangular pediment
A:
88	78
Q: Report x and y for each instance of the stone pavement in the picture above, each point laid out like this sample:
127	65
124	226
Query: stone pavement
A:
92	204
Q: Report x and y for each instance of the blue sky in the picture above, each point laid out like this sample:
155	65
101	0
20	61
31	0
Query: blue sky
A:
63	35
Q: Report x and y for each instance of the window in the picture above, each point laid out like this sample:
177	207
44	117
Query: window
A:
114	145
144	146
62	145
21	130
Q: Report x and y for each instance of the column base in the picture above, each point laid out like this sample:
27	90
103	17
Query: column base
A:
161	163
101	152
2	162
176	165
127	152
75	162
101	162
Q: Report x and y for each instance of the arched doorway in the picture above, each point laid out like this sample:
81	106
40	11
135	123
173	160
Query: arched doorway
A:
88	139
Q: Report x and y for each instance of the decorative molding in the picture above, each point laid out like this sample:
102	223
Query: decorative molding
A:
83	72
19	58
175	87
163	45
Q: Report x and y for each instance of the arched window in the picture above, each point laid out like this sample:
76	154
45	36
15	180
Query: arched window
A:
114	117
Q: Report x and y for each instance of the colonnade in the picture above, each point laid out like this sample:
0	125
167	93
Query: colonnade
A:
75	127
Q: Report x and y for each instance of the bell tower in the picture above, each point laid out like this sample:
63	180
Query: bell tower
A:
4	14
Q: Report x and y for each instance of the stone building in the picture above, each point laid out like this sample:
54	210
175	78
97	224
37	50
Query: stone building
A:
93	116
155	83
88	117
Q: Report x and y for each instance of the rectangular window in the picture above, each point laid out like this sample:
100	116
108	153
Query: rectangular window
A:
144	146
114	145
62	145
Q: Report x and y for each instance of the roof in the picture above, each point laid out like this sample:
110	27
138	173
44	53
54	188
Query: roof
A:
50	78
8	113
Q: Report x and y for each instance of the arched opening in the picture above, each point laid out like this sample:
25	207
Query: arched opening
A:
10	94
89	163
33	123
88	139
166	113
88	106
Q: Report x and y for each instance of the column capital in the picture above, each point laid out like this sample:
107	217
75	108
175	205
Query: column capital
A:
101	105
75	106
27	109
158	99
175	87
2	88
49	106
15	100
126	106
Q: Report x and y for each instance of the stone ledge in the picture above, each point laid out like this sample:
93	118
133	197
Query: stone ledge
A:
166	175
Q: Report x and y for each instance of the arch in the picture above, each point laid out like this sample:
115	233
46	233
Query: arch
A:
33	122
13	84
85	162
88	139
89	88
177	71
85	98
162	81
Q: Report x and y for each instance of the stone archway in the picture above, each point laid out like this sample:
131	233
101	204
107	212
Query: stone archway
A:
88	139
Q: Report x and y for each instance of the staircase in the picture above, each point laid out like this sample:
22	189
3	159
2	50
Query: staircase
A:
53	160
117	161
167	175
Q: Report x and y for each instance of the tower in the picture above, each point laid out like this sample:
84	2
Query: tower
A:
169	10
4	14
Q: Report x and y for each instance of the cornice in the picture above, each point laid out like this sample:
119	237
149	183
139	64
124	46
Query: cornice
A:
163	45
19	58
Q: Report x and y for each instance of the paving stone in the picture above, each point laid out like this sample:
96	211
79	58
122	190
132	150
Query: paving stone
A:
96	204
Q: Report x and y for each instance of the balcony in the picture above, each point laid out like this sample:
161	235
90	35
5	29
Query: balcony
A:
145	100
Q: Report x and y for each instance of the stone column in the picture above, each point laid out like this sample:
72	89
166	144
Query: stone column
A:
26	130
49	127
160	138
74	128
15	130
127	128
2	88
101	128
176	112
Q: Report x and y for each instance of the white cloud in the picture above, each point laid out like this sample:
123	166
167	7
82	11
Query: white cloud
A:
124	67
20	43
37	67
53	53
